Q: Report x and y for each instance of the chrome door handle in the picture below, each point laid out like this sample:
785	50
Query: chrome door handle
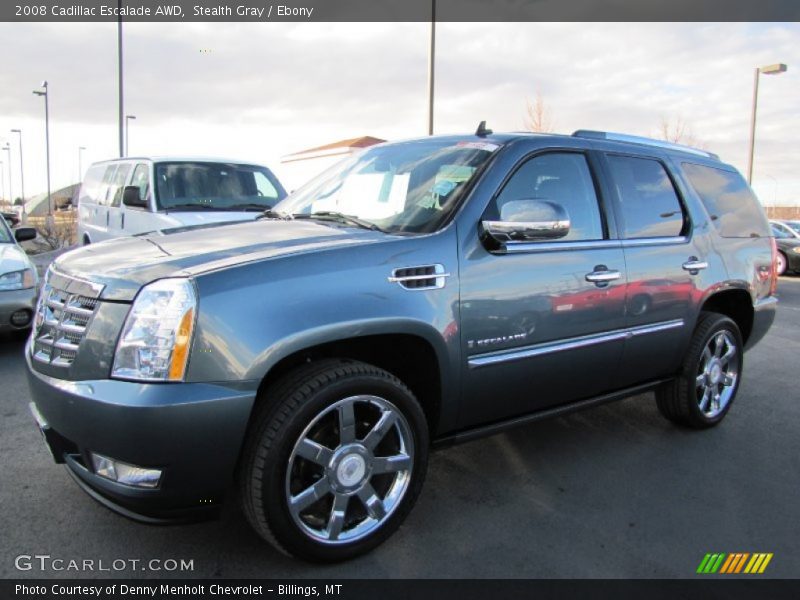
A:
693	265
603	276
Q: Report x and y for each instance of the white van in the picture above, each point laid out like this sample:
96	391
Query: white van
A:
127	196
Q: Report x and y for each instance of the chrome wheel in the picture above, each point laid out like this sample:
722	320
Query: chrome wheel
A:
349	469
718	373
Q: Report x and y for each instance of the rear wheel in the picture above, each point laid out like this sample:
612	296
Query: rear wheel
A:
703	392
780	263
334	461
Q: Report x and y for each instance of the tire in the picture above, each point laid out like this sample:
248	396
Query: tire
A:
321	491
780	263
704	390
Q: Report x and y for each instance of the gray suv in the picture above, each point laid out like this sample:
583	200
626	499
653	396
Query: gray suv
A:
420	294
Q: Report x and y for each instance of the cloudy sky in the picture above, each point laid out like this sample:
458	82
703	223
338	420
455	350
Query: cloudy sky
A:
258	91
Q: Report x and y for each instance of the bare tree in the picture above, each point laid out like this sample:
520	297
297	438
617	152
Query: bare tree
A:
677	130
538	117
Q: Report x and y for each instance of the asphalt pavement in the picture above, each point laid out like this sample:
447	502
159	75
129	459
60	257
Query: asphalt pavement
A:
615	491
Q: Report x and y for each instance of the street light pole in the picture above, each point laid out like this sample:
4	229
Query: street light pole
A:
119	83
2	182
80	163
431	66
775	69
21	173
128	130
47	142
7	148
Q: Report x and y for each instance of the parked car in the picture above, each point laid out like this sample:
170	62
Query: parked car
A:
788	242
420	294
785	228
128	196
18	279
794	226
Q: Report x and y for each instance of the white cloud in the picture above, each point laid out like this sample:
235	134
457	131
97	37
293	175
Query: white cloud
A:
259	91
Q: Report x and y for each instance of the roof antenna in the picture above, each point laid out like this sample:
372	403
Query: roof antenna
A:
481	131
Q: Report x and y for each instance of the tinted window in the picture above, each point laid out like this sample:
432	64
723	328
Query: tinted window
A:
730	202
563	178
650	205
198	185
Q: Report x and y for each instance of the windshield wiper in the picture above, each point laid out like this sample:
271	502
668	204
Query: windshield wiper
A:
246	206
329	215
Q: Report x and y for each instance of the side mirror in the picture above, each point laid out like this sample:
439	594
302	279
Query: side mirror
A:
132	197
23	234
528	220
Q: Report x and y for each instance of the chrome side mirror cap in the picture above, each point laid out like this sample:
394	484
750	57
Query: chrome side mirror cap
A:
528	220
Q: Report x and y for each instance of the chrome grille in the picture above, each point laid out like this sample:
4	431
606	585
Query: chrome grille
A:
66	306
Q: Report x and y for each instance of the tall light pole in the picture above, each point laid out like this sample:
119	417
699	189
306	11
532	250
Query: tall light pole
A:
21	172
44	93
431	66
2	182
775	69
128	130
120	81
7	148
80	163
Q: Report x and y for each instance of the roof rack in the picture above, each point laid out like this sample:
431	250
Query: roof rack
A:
644	141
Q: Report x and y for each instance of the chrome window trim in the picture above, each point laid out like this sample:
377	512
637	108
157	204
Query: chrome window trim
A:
655	241
482	360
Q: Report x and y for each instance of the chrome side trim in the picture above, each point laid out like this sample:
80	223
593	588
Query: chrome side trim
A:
482	360
524	247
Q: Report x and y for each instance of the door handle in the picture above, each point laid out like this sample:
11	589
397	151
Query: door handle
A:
694	265
602	276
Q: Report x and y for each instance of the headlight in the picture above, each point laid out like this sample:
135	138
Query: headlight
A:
154	345
796	249
17	280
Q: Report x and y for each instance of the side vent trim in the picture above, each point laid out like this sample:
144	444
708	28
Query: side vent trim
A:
424	277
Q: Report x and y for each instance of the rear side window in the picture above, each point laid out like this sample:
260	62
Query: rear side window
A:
563	178
92	184
730	203
649	202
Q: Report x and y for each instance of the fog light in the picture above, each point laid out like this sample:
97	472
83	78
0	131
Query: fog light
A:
21	318
124	473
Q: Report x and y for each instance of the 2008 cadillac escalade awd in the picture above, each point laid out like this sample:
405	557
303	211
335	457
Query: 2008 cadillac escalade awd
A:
423	292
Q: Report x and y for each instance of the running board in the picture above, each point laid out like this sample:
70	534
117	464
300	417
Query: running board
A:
468	435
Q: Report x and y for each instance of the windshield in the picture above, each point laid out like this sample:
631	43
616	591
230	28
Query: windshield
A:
215	186
408	187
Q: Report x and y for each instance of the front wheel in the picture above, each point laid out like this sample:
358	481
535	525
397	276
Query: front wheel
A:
704	390
334	461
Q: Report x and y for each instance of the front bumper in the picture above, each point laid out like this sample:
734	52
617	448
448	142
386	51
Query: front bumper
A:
11	302
192	431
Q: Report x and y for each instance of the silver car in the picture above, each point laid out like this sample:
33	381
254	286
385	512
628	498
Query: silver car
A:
18	279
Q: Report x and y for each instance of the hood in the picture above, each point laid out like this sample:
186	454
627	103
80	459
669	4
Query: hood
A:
123	265
181	218
13	258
